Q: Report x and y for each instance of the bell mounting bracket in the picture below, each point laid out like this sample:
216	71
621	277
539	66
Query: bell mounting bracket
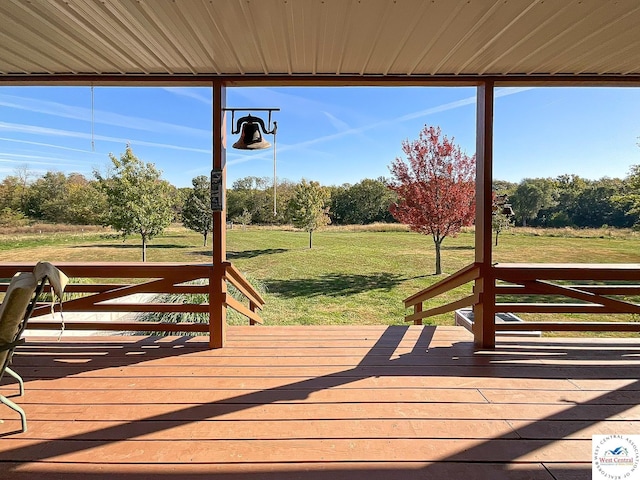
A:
251	119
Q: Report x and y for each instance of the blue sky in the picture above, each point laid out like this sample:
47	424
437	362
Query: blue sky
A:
334	135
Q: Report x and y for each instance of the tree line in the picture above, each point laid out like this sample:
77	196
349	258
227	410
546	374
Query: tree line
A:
573	201
75	199
564	201
250	200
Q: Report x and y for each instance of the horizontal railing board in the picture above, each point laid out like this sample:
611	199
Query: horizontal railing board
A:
135	307
142	326
114	269
570	326
566	271
522	307
600	289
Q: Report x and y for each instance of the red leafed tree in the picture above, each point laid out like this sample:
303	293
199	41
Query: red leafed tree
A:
435	187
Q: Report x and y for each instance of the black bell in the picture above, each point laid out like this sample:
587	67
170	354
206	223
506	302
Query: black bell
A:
507	210
251	138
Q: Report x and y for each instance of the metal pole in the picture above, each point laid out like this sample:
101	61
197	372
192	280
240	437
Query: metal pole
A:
275	181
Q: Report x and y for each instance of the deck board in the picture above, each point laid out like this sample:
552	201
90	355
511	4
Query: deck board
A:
331	402
289	471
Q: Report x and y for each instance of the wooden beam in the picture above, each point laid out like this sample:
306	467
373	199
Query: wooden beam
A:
484	311
319	80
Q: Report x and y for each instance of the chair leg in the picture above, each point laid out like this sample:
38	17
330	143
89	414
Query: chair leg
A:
13	406
18	378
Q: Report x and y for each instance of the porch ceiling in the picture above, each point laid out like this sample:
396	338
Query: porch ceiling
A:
319	38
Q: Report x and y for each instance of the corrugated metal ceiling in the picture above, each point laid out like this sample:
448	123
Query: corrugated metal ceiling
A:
320	37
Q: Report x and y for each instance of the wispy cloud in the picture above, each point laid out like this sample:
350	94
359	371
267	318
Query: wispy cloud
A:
267	97
190	92
336	122
99	116
137	123
42	144
290	101
501	92
54	132
410	116
247	158
15	158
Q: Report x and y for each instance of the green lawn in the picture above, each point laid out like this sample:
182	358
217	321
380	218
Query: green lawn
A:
350	276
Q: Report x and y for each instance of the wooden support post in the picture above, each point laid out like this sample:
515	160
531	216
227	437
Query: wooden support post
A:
484	330
253	307
417	308
217	280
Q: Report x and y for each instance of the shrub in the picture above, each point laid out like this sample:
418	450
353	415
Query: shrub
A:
12	218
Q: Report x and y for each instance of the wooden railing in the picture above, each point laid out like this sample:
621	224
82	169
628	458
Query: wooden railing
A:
236	278
517	283
455	280
565	288
124	279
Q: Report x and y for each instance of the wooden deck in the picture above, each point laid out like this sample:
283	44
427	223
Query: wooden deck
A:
402	402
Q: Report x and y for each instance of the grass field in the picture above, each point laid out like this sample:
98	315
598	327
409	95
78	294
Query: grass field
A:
350	276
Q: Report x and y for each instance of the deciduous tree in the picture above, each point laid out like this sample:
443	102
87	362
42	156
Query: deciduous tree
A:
530	196
196	213
12	194
86	202
244	219
632	193
138	198
308	207
500	215
435	186
254	194
365	202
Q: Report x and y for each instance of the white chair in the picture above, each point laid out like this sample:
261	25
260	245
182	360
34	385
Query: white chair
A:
17	306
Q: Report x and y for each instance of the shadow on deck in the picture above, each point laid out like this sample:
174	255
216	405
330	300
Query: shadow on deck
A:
320	402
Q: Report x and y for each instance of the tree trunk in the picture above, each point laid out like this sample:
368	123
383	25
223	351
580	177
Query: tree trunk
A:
310	234
144	249
497	233
204	234
438	243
